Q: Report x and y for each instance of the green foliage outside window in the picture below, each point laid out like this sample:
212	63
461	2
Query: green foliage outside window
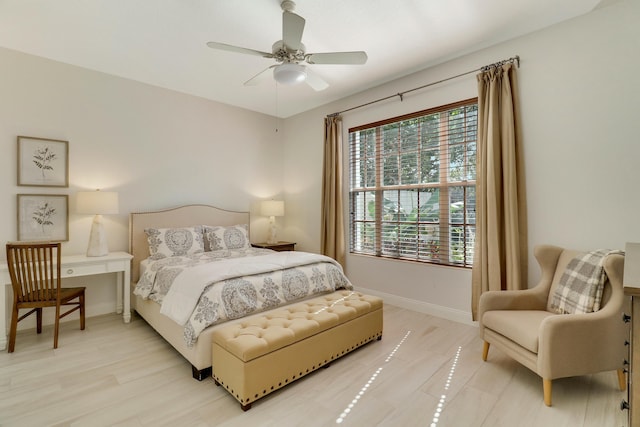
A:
413	187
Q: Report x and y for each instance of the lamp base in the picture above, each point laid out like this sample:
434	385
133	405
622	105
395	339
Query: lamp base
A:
97	239
272	231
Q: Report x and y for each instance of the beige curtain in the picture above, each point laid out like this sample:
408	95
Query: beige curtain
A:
332	229
500	251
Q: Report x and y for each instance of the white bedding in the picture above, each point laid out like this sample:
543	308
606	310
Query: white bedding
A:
187	287
204	289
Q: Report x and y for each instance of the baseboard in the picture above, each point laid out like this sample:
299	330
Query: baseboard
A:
423	307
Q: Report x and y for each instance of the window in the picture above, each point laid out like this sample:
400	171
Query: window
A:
412	186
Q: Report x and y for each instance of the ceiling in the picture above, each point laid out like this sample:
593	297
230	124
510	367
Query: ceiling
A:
163	42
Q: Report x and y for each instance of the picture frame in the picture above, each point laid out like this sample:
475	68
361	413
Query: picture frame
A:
43	162
43	217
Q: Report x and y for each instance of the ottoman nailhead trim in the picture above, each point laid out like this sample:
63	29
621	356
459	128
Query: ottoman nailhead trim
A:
286	380
349	300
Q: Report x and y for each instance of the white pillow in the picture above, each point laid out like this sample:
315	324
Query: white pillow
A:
224	238
168	242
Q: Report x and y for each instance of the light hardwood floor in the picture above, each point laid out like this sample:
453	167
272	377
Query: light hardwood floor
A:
426	371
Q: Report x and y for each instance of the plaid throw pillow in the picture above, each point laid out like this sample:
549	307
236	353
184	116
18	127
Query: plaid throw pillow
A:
581	285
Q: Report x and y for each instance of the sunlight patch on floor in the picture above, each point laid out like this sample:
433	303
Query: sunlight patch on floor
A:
362	391
443	397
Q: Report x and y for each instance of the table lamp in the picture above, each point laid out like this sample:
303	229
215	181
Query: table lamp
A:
97	203
272	209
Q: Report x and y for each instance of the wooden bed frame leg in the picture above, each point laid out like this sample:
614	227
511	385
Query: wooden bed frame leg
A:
246	407
201	374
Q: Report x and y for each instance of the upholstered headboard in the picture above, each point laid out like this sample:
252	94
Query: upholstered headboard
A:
182	216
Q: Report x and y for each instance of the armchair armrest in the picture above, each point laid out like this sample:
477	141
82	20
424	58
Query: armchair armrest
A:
528	299
571	344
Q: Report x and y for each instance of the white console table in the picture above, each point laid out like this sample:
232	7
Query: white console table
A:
75	266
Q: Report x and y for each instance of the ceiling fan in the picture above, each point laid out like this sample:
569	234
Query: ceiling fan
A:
290	53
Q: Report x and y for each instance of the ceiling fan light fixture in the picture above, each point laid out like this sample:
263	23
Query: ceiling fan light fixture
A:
290	73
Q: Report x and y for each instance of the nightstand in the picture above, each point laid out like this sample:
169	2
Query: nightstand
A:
280	246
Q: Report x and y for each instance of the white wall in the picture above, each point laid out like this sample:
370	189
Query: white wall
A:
578	91
155	147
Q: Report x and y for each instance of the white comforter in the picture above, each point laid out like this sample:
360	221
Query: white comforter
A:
208	288
187	287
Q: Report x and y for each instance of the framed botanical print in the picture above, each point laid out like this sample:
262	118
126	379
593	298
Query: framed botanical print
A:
43	162
43	217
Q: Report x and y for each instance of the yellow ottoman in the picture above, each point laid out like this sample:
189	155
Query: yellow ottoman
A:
262	353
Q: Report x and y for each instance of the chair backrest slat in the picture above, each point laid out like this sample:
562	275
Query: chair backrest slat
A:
35	270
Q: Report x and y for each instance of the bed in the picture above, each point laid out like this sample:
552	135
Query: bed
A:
147	264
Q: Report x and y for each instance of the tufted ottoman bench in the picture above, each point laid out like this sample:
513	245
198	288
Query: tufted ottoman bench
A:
259	354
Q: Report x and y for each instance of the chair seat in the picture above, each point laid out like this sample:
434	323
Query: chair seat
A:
66	294
520	326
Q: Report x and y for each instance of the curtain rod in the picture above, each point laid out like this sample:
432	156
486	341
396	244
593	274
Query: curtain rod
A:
511	60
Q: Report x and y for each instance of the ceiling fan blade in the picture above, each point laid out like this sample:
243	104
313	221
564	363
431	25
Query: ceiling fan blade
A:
260	77
315	81
230	48
292	29
355	58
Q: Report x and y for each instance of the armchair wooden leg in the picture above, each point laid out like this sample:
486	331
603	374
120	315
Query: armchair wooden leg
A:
546	387
622	380
485	351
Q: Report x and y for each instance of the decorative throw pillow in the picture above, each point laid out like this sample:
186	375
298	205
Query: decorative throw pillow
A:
223	238
167	242
581	285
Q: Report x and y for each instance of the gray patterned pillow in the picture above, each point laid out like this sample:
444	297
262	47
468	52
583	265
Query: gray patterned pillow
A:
223	238
167	242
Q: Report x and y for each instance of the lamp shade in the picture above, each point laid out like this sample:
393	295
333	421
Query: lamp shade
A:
289	73
272	208
97	202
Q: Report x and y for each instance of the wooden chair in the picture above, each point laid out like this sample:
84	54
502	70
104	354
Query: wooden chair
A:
34	268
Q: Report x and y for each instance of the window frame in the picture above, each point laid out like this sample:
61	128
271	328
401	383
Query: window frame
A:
364	242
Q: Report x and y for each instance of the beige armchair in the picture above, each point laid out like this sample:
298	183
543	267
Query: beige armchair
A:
557	345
